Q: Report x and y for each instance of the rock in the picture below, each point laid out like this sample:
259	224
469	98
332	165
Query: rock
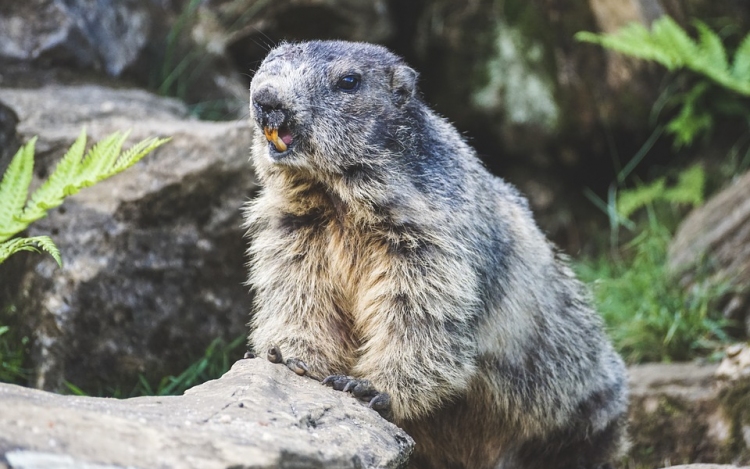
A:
99	34
736	363
154	261
9	141
714	242
707	466
680	414
247	28
258	415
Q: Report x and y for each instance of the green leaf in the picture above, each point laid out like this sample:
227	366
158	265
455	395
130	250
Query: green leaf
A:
668	44
35	244
711	51
135	154
689	188
14	190
75	390
741	64
693	118
631	200
51	193
671	39
633	40
99	160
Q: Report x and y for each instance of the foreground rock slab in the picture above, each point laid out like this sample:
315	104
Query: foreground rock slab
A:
683	413
258	415
707	466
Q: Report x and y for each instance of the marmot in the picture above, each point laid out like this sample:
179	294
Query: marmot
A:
384	254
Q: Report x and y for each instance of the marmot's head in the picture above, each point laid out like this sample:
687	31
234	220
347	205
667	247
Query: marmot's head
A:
327	106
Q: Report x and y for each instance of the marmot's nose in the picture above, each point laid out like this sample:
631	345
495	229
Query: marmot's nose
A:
269	108
267	99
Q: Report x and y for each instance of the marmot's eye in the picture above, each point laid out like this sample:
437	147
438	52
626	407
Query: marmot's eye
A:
349	82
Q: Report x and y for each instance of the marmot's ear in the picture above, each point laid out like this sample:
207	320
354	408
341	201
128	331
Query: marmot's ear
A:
403	84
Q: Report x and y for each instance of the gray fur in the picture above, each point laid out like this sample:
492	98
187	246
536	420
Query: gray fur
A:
381	248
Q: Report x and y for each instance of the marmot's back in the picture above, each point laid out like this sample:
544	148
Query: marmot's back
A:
384	254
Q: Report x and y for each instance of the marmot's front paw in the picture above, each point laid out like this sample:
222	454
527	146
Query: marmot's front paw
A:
294	364
363	389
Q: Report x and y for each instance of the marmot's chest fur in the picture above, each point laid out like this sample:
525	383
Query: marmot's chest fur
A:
385	255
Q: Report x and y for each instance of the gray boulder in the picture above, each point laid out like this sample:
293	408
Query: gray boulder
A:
714	242
154	259
684	413
100	34
258	415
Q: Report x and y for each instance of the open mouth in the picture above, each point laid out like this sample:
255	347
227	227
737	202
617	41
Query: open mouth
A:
280	138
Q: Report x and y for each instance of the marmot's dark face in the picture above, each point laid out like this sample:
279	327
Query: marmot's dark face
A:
326	106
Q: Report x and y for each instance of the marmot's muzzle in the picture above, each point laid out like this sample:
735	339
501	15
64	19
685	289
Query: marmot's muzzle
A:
272	117
273	136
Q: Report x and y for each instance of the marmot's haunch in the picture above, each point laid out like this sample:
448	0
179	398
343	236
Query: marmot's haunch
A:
387	259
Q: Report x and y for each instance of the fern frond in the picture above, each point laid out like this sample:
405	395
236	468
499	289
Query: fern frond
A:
74	172
77	171
689	188
632	199
34	244
681	45
668	44
633	40
99	160
711	51
51	193
693	119
135	154
741	63
14	190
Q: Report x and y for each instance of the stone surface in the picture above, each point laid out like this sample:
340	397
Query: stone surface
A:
736	362
9	141
258	415
714	241
154	259
707	466
681	413
98	34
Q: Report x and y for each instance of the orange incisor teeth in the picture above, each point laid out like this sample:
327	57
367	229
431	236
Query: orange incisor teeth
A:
273	136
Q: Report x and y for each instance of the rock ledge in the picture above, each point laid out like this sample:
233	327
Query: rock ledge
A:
257	415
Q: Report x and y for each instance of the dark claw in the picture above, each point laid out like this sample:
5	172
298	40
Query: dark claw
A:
381	402
361	388
274	355
338	382
298	366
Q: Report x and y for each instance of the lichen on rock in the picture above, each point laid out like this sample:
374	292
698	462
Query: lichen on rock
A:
517	83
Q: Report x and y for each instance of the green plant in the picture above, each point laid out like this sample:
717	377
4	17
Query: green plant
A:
671	46
651	317
216	360
12	356
688	190
75	171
